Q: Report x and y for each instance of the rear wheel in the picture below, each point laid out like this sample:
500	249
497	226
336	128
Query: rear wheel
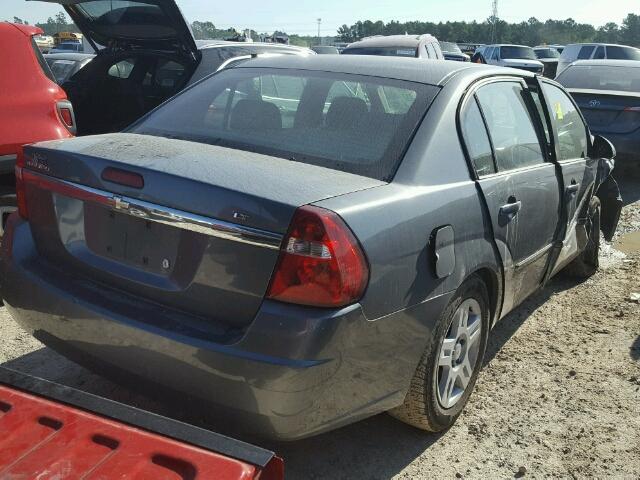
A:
8	205
587	263
448	370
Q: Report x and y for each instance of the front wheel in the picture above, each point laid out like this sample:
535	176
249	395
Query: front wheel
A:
449	368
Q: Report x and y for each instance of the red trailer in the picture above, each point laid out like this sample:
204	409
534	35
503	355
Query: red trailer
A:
50	431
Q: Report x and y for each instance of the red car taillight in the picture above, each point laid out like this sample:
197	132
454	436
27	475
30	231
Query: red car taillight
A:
68	118
321	263
21	197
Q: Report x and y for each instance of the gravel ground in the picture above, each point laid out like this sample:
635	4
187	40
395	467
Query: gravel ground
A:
559	395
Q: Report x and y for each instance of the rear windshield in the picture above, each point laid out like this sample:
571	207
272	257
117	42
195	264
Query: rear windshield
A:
383	51
62	69
547	53
622	79
41	61
450	47
519	53
353	123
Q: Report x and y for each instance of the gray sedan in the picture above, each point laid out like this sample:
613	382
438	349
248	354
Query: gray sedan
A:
302	242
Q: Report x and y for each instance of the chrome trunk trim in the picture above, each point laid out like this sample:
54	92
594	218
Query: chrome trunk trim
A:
157	213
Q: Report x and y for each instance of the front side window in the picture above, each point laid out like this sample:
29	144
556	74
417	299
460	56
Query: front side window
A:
510	124
476	139
571	141
585	52
353	123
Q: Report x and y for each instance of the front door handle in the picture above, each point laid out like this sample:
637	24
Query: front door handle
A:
573	188
510	210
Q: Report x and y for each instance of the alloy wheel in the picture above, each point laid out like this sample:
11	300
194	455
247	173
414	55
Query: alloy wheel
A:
459	353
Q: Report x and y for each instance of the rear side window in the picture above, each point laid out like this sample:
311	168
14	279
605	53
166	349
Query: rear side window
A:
476	139
623	53
571	141
353	123
41	61
599	55
122	69
431	52
514	137
585	52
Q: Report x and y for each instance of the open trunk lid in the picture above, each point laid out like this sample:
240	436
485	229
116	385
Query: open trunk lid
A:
147	24
192	227
609	111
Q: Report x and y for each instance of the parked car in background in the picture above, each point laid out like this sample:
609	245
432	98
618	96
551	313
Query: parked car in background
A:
608	93
595	51
558	48
415	46
68	47
35	108
65	65
302	242
549	57
512	56
451	51
44	42
138	70
325	50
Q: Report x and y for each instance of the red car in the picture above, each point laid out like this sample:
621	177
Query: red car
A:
35	108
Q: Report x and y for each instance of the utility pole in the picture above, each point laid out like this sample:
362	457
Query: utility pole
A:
319	23
494	20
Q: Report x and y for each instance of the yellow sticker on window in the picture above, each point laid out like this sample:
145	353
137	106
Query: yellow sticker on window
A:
559	112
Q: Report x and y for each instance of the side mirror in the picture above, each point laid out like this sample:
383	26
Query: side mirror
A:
603	148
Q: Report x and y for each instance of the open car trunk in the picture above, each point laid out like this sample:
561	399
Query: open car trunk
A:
146	53
189	227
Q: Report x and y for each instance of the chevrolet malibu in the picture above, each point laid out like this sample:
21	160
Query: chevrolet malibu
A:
304	242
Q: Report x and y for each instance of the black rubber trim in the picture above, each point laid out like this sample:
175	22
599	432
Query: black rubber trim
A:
135	417
7	163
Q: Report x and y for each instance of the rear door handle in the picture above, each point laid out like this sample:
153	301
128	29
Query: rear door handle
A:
510	210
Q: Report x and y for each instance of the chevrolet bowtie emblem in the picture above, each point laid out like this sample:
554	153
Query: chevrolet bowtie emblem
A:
120	204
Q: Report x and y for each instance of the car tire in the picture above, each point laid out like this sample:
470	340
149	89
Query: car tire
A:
8	205
425	406
586	264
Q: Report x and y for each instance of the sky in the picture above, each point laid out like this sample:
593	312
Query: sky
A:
301	16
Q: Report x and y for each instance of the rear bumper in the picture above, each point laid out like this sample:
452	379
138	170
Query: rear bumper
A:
293	373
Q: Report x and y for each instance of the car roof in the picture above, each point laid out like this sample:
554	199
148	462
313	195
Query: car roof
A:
607	63
69	56
506	45
28	30
392	41
599	44
204	44
432	72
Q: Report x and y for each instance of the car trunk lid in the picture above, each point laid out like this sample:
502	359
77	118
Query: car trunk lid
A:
127	24
609	111
200	233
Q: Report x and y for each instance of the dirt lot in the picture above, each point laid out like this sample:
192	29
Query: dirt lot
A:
559	395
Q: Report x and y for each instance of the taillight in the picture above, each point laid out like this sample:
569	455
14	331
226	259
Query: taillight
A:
21	194
632	109
321	263
65	112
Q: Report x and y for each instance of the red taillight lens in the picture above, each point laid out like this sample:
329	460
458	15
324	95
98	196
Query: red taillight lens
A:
321	263
632	109
21	194
65	112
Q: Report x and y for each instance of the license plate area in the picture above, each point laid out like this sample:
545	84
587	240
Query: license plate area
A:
131	240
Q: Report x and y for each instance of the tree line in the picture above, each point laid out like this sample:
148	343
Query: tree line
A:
494	30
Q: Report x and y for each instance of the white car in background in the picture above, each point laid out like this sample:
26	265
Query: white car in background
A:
595	51
512	56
